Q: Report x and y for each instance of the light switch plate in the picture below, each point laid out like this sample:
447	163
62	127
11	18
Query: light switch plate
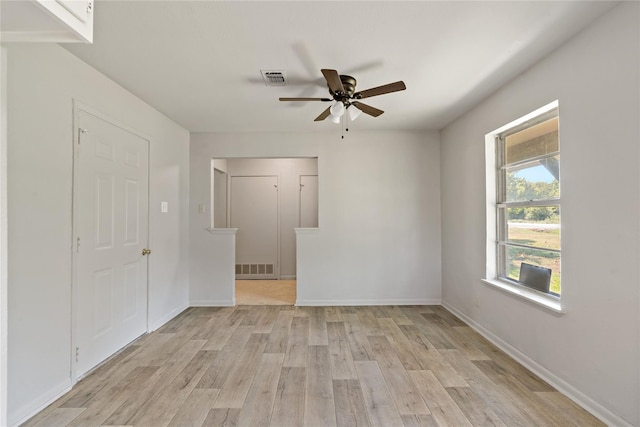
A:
164	207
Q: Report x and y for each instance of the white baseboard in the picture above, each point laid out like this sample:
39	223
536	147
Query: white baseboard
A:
27	411
213	303
166	318
590	405
288	277
347	303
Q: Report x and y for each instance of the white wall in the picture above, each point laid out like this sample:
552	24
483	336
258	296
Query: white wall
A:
379	211
592	352
42	82
288	172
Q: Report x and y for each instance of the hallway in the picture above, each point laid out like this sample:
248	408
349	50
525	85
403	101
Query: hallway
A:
265	292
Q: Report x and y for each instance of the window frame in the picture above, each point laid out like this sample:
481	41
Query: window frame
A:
502	204
497	205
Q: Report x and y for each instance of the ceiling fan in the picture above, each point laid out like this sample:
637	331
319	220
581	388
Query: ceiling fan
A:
342	90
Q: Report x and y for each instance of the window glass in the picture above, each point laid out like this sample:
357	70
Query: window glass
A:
537	226
517	255
538	180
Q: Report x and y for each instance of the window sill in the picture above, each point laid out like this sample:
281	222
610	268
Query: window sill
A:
546	301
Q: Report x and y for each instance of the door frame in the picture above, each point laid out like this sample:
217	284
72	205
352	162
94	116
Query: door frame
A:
78	106
300	202
229	190
4	249
227	197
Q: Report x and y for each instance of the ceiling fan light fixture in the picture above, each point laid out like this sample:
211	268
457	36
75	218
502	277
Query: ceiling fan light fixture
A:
336	119
337	110
354	112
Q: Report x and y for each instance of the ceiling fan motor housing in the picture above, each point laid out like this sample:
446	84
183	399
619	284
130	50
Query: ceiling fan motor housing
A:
349	85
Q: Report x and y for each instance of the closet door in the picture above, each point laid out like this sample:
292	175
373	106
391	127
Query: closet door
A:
254	212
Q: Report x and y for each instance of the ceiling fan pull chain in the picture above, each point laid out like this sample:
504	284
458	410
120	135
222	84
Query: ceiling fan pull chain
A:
346	120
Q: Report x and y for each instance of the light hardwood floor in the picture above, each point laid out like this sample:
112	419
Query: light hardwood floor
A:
313	366
265	292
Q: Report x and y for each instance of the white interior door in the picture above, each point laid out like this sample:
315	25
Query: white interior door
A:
254	211
111	226
308	200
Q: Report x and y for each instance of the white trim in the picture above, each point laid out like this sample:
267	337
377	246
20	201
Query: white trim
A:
4	252
222	230
306	230
80	26
349	303
278	228
213	303
547	301
30	409
166	318
39	37
491	253
212	184
532	115
590	405
288	277
102	116
492	258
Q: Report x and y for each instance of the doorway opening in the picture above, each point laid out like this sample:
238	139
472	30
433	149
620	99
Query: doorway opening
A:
265	199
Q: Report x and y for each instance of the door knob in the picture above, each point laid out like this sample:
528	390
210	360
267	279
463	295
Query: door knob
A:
146	251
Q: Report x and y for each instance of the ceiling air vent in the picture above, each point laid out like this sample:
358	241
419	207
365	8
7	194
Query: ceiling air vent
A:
273	77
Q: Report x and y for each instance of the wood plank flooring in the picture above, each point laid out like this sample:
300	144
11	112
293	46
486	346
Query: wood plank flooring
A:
313	366
265	292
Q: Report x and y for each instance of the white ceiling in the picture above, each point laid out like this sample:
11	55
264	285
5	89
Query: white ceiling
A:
199	62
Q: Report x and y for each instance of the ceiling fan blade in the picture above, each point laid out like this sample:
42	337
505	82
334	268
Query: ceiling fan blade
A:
367	109
380	90
333	80
306	99
323	115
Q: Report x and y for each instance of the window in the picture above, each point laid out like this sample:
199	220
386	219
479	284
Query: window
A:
527	202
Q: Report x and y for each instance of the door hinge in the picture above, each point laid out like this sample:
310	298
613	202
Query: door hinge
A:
77	244
77	354
81	131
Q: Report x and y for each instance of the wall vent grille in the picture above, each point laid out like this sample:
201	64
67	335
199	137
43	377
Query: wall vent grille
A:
254	269
273	77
